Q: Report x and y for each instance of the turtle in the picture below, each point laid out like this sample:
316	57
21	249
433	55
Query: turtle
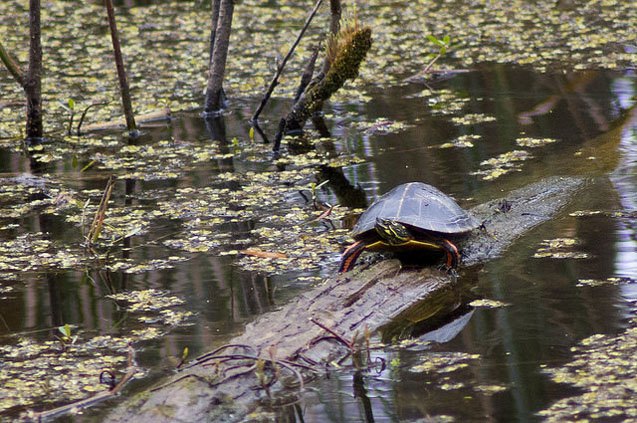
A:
412	216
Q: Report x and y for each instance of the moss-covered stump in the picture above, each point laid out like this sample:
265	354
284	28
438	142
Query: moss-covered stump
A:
345	53
318	326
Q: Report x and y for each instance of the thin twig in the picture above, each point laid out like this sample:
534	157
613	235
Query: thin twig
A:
275	80
100	214
121	72
130	371
328	338
79	125
12	66
299	365
430	65
296	373
234	376
205	357
336	335
306	78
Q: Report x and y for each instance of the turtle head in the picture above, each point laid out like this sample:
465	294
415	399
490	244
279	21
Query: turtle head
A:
392	232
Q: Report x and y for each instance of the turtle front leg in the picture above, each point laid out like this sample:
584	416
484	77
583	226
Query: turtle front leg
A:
452	258
351	253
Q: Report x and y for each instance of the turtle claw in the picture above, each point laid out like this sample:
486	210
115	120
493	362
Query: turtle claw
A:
448	270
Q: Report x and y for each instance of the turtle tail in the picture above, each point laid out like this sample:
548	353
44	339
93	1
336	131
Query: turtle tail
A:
351	253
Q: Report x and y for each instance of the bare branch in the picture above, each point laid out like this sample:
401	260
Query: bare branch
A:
12	65
275	80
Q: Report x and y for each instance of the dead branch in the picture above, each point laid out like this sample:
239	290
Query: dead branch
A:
121	72
275	79
346	52
12	65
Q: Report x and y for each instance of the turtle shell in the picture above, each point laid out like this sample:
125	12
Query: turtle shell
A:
420	206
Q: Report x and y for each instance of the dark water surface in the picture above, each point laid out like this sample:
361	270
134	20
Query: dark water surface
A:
546	314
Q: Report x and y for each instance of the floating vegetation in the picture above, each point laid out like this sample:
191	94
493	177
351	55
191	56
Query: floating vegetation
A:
604	369
583	37
24	194
620	214
534	142
452	386
130	266
490	389
602	282
414	344
503	164
291	234
559	248
484	303
472	119
34	251
444	362
463	141
5	290
442	370
381	126
163	160
156	301
289	226
147	300
40	374
444	101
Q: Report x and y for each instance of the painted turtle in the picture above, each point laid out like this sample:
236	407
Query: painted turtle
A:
411	216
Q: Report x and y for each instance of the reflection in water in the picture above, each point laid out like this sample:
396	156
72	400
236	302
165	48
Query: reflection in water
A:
624	179
347	194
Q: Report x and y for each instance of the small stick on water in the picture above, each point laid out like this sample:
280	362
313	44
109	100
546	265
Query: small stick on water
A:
100	214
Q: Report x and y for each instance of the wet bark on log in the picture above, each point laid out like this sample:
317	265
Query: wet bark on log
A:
366	299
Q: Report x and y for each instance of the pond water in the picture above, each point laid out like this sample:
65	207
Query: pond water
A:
582	123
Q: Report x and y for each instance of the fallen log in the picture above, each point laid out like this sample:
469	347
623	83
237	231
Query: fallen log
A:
331	319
